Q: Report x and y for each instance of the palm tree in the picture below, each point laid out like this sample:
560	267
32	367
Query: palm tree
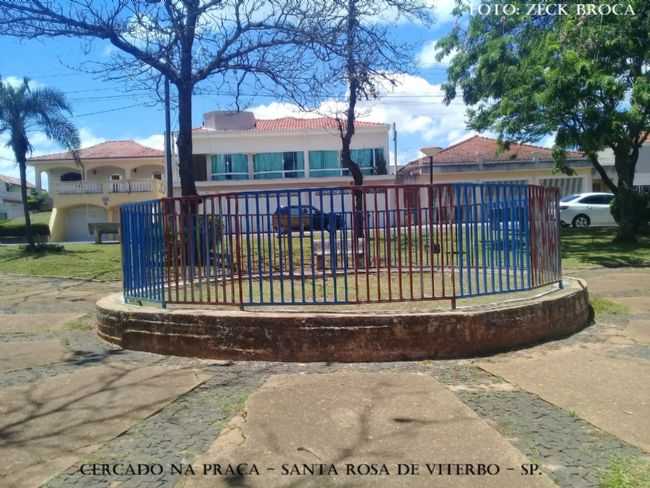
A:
23	110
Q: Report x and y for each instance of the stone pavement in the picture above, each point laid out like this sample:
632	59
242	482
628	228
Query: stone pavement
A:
49	425
69	400
610	392
351	420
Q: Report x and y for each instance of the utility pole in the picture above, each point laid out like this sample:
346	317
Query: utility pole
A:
168	144
395	146
431	170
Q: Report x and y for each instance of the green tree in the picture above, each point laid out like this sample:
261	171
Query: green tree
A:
37	199
584	78
23	110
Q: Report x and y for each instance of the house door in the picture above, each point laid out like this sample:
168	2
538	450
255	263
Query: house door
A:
76	222
114	181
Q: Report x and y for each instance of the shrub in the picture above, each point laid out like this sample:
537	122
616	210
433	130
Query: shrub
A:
42	248
18	230
37	200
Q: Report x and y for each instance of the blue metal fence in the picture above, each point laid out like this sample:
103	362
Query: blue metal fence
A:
342	245
143	252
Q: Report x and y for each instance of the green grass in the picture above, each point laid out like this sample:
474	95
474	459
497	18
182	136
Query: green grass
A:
81	324
586	248
627	473
35	217
603	306
580	249
75	261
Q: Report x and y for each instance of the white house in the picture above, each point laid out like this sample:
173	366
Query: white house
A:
11	203
91	188
235	151
641	176
232	152
480	159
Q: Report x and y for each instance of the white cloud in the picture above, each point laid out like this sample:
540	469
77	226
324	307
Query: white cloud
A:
16	81
443	10
427	57
547	141
88	138
109	50
276	110
415	105
157	141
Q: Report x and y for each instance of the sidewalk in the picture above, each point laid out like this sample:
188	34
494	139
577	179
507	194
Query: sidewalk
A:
352	420
68	399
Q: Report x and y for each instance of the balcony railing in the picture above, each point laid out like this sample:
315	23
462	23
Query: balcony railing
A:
121	186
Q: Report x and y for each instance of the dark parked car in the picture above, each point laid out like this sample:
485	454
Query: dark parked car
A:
305	217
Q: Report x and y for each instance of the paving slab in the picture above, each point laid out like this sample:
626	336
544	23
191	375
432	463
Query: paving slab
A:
24	294
612	393
358	419
638	330
19	355
636	304
35	322
615	282
47	426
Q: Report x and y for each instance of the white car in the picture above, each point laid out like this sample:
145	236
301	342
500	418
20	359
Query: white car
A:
587	209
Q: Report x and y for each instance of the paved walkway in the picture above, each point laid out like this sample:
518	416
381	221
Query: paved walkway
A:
70	402
347	423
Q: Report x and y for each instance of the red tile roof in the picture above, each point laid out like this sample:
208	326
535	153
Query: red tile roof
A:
107	150
14	181
295	123
478	149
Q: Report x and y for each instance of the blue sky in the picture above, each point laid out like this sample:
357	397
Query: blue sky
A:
106	110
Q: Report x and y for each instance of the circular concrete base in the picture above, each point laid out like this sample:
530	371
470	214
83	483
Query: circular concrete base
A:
349	337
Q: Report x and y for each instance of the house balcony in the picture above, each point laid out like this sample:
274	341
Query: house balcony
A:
106	194
150	185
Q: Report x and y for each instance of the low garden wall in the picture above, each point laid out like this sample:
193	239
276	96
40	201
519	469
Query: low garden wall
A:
348	337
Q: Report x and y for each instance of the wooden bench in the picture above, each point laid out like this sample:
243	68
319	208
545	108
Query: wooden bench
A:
101	228
322	249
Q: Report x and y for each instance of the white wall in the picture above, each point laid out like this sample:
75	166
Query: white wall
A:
220	143
642	175
103	174
229	142
8	204
146	172
12	209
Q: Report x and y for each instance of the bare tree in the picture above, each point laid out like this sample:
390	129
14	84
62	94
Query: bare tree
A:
361	54
186	41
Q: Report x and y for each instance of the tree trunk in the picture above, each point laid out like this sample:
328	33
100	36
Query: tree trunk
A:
184	141
346	154
357	175
628	211
29	236
629	206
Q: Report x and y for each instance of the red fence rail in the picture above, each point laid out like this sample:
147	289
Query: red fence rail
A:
372	244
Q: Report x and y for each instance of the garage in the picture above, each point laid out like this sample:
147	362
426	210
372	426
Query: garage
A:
76	222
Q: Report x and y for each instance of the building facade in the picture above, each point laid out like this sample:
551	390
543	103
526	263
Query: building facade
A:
11	202
480	159
90	188
641	175
234	151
